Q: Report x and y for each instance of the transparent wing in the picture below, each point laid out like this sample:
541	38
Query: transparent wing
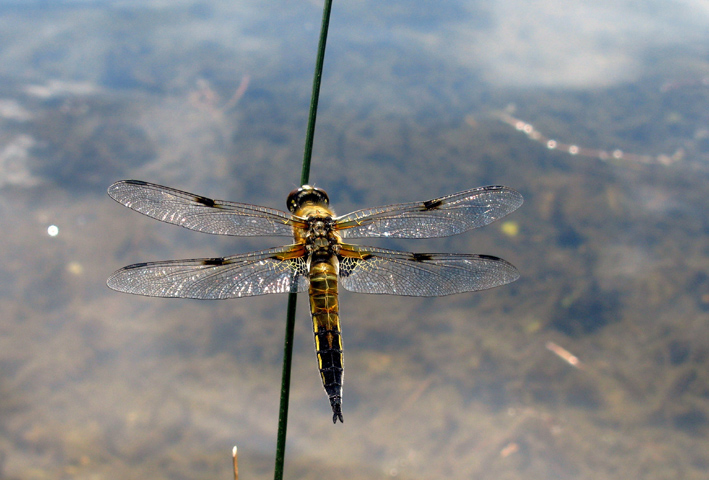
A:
439	217
376	270
200	213
255	273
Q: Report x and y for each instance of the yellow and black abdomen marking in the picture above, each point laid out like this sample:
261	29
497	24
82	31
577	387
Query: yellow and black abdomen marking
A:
325	311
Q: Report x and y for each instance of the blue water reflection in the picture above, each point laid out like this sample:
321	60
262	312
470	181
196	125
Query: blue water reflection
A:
419	99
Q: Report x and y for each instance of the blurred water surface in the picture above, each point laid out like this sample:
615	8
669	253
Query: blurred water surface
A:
419	99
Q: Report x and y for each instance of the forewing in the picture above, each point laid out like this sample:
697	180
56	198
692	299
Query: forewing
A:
438	217
255	273
200	213
376	270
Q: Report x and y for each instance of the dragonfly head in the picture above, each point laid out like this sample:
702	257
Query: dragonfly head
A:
306	194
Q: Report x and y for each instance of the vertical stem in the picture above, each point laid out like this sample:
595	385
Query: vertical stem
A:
292	296
310	134
285	382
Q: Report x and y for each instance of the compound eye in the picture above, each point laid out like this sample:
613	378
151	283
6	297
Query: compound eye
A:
292	200
306	194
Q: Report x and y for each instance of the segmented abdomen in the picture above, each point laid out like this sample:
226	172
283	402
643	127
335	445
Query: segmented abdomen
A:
326	326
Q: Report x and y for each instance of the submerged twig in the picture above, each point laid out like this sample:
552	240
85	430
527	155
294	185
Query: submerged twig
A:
236	463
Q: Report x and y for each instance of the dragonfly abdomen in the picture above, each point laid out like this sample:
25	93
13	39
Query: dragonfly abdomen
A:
324	308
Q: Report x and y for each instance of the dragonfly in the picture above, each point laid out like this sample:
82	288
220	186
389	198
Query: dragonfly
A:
319	260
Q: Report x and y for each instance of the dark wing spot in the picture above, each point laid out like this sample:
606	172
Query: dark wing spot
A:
213	261
204	201
421	257
488	257
135	182
135	265
432	204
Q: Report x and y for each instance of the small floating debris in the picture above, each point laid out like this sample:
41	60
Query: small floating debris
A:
564	354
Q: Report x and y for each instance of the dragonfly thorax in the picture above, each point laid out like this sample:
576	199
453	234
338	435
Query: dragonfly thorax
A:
320	236
320	227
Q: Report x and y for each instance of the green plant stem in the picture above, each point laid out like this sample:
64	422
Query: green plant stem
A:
285	384
310	134
292	296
